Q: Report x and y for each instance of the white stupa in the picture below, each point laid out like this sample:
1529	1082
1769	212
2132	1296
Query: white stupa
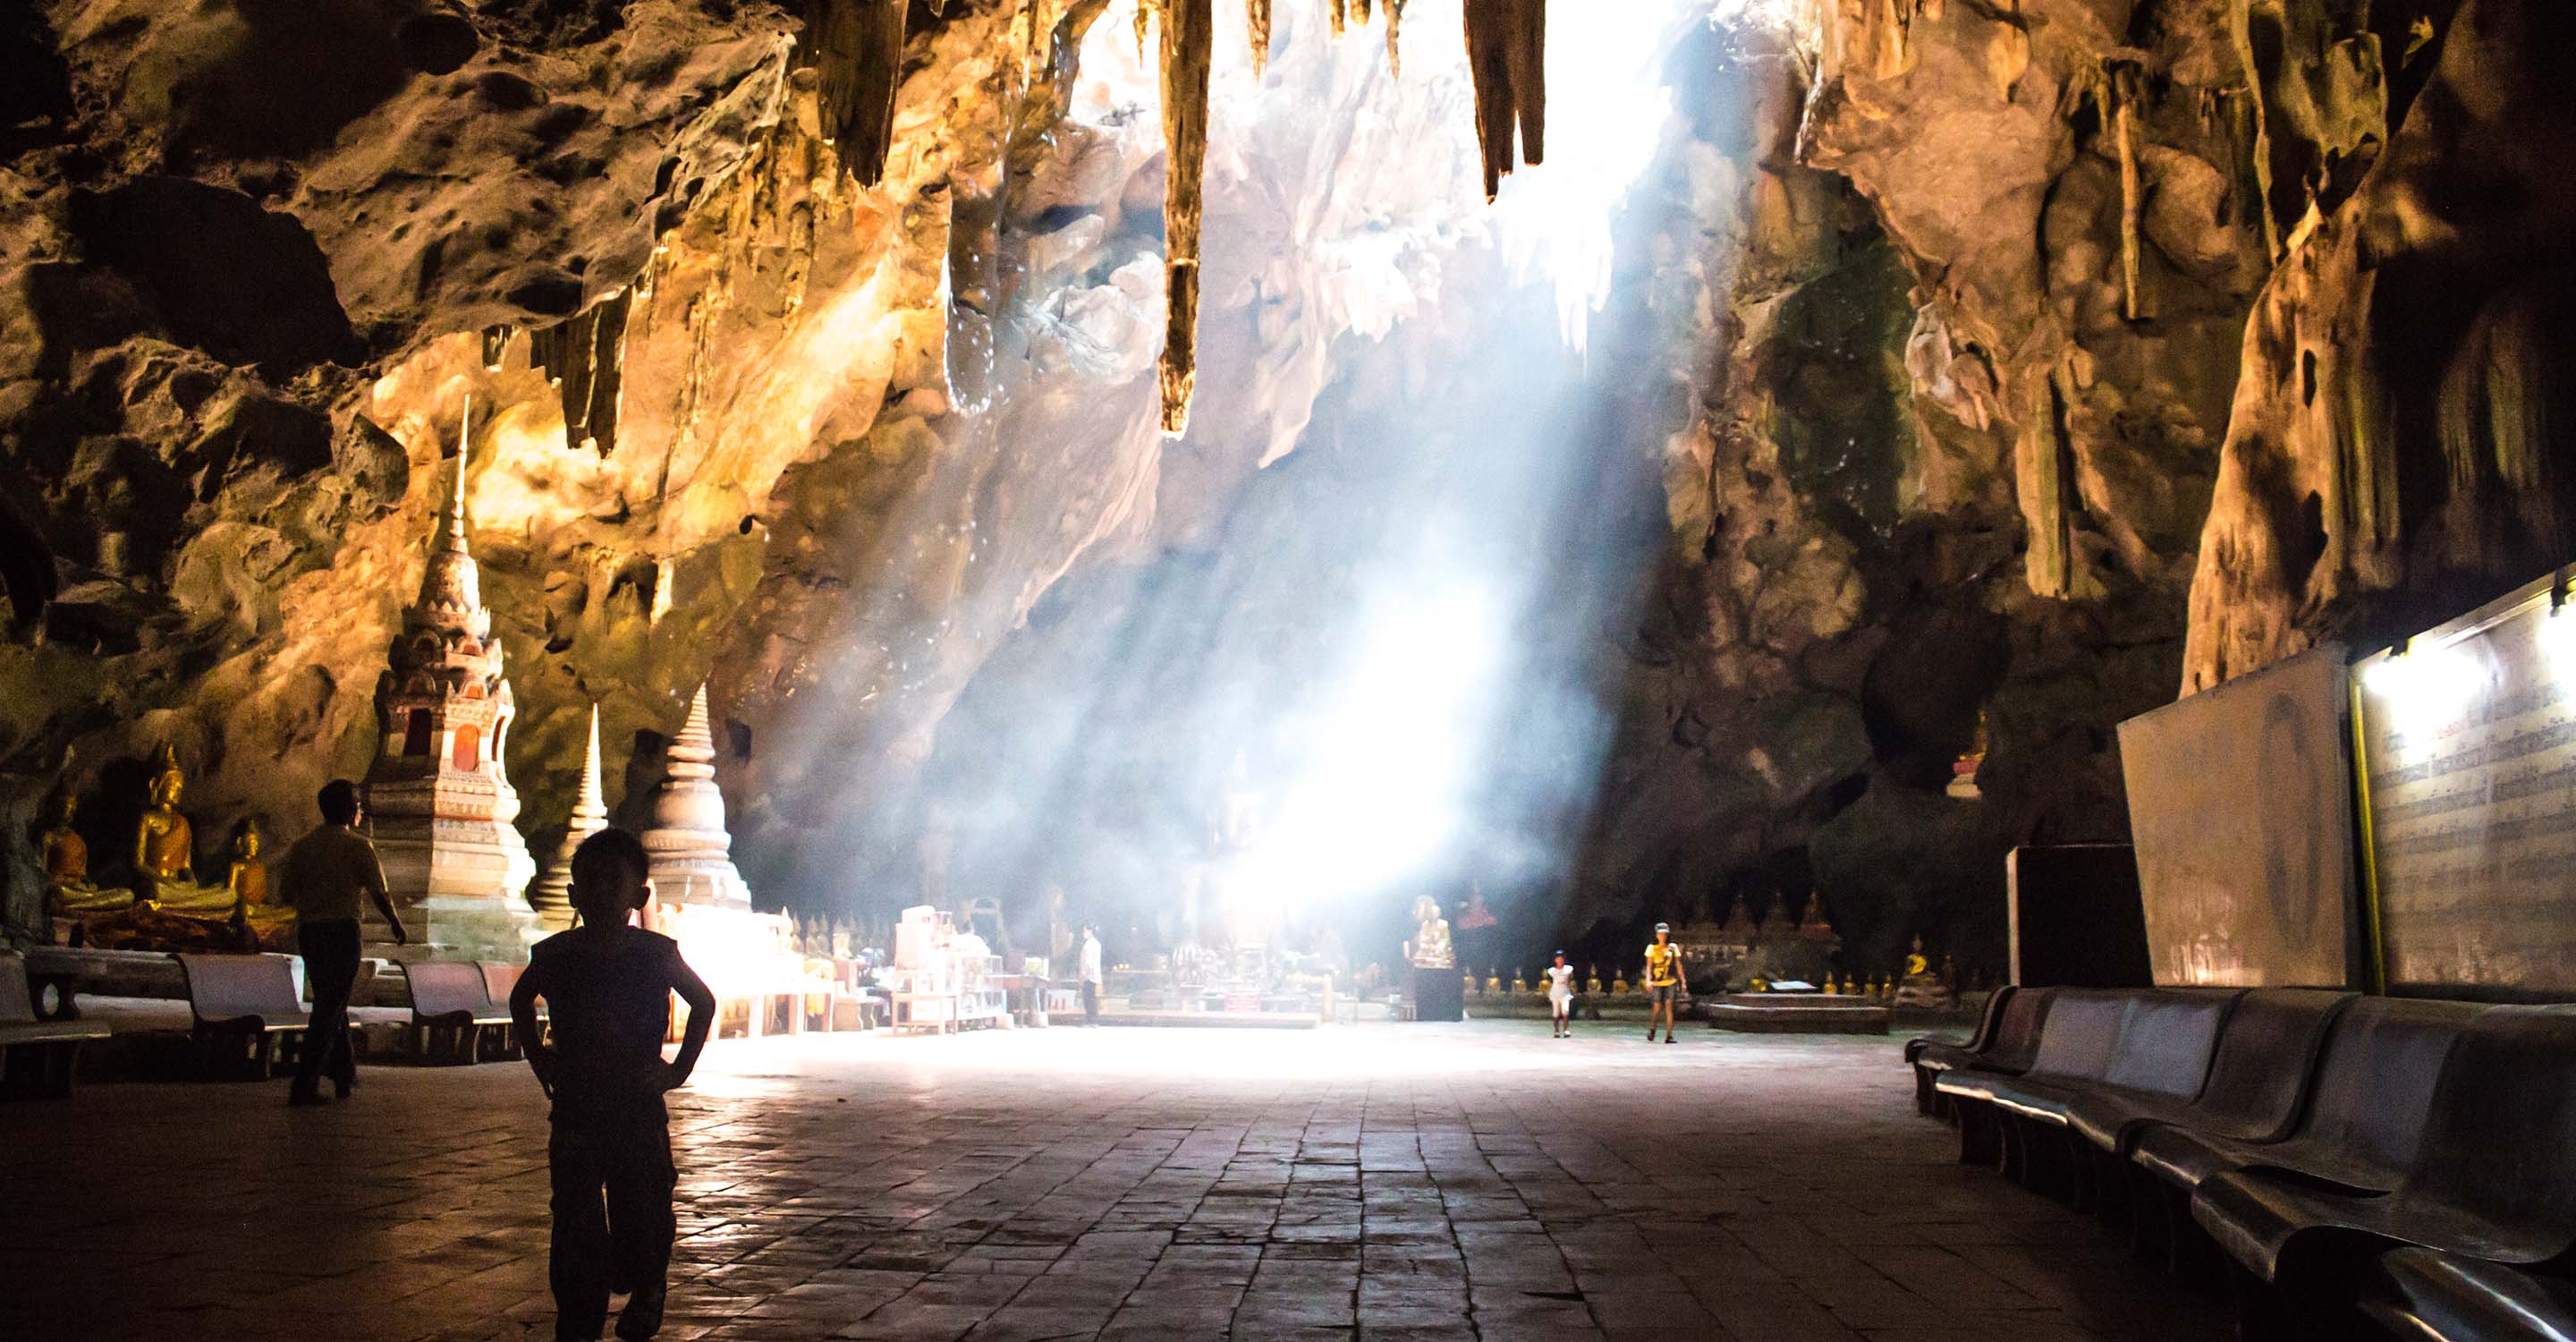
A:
551	895
692	852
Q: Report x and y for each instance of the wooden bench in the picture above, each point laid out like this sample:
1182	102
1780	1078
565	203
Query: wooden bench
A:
36	1055
241	1008
451	1011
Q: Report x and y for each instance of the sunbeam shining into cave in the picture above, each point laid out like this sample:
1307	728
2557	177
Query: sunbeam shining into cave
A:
1355	635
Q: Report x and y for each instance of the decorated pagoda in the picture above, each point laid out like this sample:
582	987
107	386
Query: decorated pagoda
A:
439	805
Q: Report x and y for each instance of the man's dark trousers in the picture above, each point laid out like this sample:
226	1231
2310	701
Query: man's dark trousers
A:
1090	1002
623	1243
330	969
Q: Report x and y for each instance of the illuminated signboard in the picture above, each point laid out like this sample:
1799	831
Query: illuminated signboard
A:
2469	749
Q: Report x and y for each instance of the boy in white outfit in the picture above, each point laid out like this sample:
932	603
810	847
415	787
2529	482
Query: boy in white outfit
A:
1560	996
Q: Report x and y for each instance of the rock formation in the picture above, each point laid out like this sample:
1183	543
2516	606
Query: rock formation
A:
2043	358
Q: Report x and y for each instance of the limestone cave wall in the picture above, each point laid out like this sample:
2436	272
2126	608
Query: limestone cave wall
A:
2037	360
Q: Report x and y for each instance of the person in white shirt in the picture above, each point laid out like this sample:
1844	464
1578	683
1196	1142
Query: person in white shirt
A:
1090	977
1560	996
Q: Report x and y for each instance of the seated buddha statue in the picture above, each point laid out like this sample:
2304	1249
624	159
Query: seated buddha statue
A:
69	892
1430	948
165	878
272	924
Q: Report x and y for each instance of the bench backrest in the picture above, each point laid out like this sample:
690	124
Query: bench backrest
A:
2166	1042
2083	1026
499	979
2375	1086
2267	1056
17	1004
2014	1040
229	987
443	988
2500	1145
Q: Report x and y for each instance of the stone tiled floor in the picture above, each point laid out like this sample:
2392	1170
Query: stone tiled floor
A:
1415	1182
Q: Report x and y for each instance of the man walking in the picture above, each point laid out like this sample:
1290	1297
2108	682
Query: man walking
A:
324	875
1664	979
1090	977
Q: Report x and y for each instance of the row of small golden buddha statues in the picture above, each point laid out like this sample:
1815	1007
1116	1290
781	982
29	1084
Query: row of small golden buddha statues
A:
159	903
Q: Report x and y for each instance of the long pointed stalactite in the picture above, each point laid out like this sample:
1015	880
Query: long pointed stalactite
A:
585	359
1506	46
856	48
1189	31
1256	21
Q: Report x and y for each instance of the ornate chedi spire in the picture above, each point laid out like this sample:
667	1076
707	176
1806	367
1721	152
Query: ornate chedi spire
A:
439	803
691	850
552	894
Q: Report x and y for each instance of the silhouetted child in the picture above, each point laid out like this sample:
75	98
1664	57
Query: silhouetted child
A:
607	988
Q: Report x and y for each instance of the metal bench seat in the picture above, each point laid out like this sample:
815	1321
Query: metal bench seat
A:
37	1056
2493	1176
450	1011
2256	1078
2006	1041
2438	1297
241	1009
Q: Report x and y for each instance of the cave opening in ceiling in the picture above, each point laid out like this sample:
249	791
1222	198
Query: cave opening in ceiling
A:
1356	630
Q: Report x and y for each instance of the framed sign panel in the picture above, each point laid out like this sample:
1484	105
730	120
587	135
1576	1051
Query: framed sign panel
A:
2469	794
2240	804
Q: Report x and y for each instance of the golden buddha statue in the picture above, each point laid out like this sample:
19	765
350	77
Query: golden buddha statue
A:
1430	948
1915	965
165	878
1592	980
272	924
69	892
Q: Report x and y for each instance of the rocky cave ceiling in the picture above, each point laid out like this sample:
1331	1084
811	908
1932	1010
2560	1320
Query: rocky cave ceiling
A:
2043	358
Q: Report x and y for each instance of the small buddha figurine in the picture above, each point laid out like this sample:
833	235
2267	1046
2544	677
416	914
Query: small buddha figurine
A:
1592	979
1831	987
1494	982
1620	983
69	892
272	924
165	853
1520	982
1430	948
1915	964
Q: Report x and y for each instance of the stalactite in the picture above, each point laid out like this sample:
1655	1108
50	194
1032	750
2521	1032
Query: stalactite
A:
1506	48
2040	486
1188	39
857	46
2123	84
496	343
1394	26
1256	17
585	359
1340	12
